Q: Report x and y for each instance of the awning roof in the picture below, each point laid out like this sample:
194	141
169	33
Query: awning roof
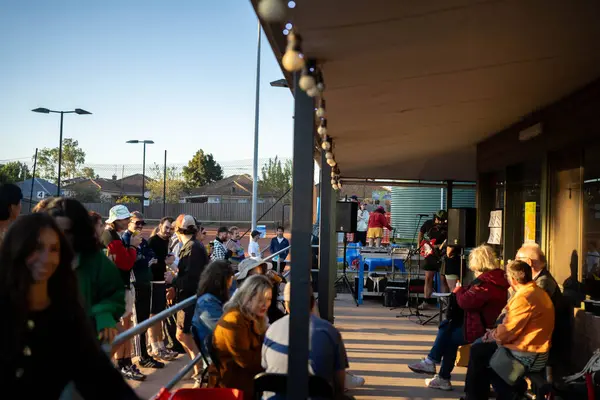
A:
412	86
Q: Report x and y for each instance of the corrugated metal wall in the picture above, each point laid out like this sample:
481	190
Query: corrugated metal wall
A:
408	202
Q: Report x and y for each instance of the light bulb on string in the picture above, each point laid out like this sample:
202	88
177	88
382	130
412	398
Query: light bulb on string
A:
321	112
339	184
333	181
293	59
320	85
322	129
313	92
329	155
307	80
335	186
292	4
326	143
331	162
272	10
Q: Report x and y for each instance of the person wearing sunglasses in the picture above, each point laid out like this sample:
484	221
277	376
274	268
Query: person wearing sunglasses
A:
142	271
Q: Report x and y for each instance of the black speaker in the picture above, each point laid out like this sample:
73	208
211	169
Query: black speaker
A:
462	226
345	216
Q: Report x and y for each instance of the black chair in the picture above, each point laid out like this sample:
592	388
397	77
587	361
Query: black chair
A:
205	357
277	383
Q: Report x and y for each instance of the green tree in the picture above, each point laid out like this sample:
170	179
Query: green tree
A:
127	200
14	171
202	170
175	185
276	177
88	172
72	158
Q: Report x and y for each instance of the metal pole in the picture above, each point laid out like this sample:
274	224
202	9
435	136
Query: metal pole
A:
144	179
327	244
165	187
302	189
60	145
33	178
256	116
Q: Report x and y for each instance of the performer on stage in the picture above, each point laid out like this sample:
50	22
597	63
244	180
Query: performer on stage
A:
377	221
432	238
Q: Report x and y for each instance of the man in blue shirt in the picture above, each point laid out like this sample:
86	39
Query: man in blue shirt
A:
327	357
279	243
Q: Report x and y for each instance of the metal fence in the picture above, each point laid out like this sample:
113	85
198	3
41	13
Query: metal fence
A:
208	213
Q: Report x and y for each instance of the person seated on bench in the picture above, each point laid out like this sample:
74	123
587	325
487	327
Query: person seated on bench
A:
213	293
239	335
327	357
480	304
526	332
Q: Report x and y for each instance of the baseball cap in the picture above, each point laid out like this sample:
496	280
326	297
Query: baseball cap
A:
287	291
185	221
118	213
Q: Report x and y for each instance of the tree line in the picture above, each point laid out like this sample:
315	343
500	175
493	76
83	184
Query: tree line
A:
201	170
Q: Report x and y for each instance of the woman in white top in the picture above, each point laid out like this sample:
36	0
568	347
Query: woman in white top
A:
362	218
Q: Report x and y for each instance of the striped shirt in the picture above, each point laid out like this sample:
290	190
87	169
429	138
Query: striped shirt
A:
534	362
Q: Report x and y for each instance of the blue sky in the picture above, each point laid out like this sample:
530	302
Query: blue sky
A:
179	72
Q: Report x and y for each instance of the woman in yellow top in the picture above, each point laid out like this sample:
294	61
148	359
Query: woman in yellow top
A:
239	335
526	332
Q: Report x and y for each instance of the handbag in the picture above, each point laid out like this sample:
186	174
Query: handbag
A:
507	367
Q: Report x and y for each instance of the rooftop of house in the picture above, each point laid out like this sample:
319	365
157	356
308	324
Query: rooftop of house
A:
128	184
237	185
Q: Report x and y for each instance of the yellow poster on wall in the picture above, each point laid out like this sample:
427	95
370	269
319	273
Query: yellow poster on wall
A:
530	217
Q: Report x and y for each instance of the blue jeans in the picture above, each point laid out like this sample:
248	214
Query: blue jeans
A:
445	347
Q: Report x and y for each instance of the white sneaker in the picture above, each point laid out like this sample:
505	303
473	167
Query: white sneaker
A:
353	381
438	383
423	367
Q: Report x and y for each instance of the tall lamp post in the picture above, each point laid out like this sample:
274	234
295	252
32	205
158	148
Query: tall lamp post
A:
256	118
78	111
144	142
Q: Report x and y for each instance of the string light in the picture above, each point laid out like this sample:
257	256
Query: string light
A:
307	81
292	4
293	59
329	155
326	143
272	10
335	186
331	162
322	129
288	26
321	112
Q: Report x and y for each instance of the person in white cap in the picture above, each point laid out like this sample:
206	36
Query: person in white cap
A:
124	258
192	261
327	359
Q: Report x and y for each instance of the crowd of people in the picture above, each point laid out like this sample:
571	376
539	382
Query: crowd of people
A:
71	282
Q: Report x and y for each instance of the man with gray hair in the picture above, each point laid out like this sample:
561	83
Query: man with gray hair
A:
532	254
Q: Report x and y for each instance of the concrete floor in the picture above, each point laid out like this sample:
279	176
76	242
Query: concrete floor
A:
379	347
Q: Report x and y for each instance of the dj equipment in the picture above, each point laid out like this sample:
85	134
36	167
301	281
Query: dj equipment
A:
345	216
462	227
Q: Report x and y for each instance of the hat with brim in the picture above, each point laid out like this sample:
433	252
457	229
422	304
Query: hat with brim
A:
118	213
248	265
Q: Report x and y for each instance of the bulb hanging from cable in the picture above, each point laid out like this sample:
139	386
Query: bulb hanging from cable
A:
322	129
331	162
321	112
307	79
272	10
329	155
320	85
326	143
335	186
293	59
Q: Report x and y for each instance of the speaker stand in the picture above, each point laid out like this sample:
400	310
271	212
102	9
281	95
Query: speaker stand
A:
344	278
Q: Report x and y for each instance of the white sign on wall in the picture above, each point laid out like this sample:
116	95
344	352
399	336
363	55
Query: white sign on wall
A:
495	226
41	194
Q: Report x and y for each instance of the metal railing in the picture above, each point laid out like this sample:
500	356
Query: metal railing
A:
141	327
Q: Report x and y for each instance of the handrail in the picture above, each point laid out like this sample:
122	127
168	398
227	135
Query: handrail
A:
179	376
139	328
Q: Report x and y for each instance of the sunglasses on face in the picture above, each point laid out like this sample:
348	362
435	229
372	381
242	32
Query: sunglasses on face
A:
140	223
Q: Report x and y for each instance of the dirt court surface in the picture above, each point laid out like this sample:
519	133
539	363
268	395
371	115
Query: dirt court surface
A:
212	233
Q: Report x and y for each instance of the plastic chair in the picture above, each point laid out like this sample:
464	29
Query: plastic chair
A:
208	394
205	357
277	383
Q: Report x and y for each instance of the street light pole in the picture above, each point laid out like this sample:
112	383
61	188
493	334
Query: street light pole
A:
144	142
77	111
256	115
60	144
144	179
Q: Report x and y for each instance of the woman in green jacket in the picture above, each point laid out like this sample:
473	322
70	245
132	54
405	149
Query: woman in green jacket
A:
100	284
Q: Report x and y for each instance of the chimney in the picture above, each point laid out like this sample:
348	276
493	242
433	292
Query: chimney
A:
114	177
